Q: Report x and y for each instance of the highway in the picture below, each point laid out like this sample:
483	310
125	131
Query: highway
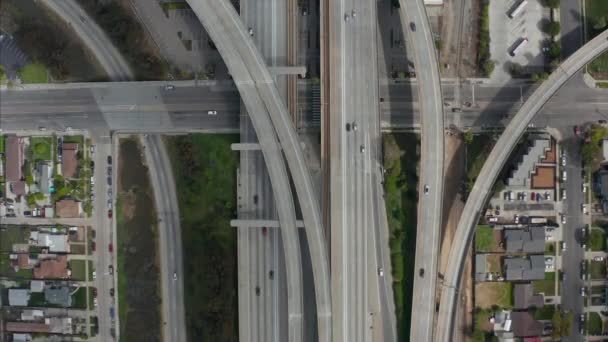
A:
263	317
215	22
252	77
430	188
170	238
355	165
132	108
490	170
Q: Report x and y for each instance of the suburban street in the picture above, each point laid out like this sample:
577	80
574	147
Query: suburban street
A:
573	255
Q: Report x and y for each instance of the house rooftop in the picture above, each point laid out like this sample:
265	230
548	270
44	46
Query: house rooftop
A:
532	268
524	297
36	285
529	240
68	208
69	160
18	297
58	296
14	158
52	268
524	325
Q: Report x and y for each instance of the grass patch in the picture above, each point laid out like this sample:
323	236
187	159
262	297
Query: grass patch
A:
400	161
594	324
482	330
2	143
490	294
79	298
484	239
597	240
79	139
493	261
10	235
484	62
546	286
546	312
77	248
78	269
597	269
205	172
601	84
175	5
41	148
595	10
33	73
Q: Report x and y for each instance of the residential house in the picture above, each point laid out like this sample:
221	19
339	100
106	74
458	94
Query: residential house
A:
22	338
57	243
531	268
68	208
69	161
20	261
52	267
528	240
14	158
37	286
58	296
18	297
480	267
524	325
18	188
524	297
521	174
32	315
44	174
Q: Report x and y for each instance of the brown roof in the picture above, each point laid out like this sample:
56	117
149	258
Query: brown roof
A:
543	178
52	268
18	188
28	327
23	261
524	325
68	208
69	162
14	158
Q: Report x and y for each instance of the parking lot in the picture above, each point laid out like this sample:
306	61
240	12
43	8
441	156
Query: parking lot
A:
506	32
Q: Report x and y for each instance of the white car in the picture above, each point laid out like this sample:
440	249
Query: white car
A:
94	275
380	272
563	219
69	128
585	209
95	303
584	187
362	149
211	112
42	128
583	292
516	219
563	246
563	160
174	276
169	87
598	258
250	31
563	194
548	196
426	189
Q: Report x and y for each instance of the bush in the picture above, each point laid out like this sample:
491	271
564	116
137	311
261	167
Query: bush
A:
552	3
598	23
29	180
555	50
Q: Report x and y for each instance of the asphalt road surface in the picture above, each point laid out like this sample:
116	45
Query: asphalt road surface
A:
170	239
573	255
430	187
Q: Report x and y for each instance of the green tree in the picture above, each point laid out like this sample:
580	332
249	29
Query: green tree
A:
552	28
31	201
557	325
555	50
2	73
468	137
39	196
29	180
598	23
516	69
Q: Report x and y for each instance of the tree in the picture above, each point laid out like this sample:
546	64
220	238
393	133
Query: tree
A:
468	137
2	73
29	180
516	69
555	50
598	23
552	28
40	148
557	325
552	3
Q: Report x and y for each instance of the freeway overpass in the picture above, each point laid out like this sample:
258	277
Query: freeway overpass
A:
494	163
430	188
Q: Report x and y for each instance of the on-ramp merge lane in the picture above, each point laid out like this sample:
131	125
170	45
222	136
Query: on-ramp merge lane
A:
490	170
414	19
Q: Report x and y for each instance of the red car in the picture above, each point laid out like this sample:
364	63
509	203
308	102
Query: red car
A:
533	196
264	231
110	213
111	248
93	246
94	292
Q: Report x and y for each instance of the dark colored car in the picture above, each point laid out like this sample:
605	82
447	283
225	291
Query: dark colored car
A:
111	269
110	160
93	246
112	292
421	272
257	290
271	274
110	213
413	27
264	231
111	248
94	292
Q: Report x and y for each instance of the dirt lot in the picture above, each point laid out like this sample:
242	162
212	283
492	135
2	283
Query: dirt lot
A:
138	282
489	294
452	11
